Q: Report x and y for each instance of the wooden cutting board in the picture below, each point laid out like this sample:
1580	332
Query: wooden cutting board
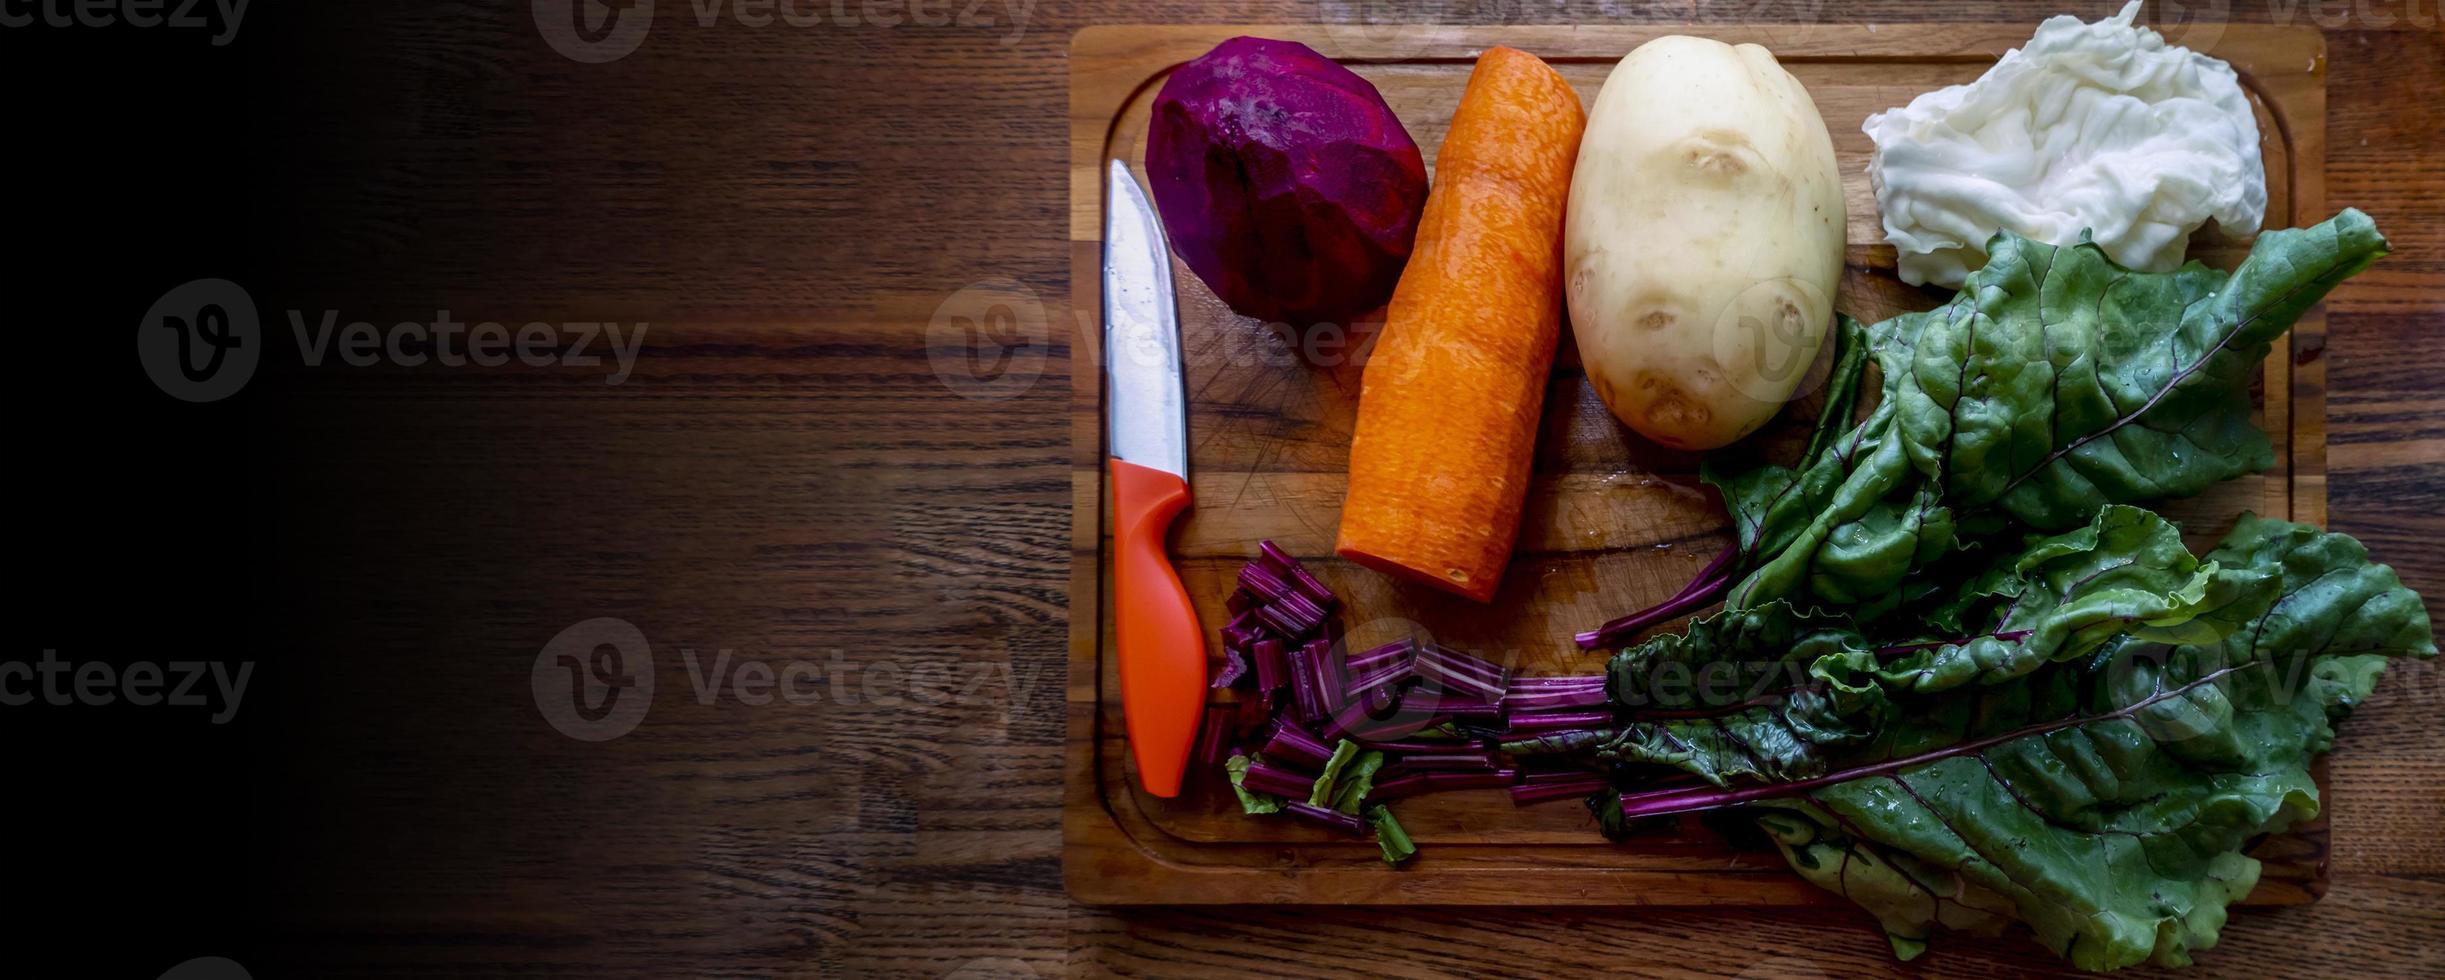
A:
1613	523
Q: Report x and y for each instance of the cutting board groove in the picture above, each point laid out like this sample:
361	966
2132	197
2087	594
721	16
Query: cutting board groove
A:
1613	522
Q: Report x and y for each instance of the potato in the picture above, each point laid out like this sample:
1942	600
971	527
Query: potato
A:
1703	242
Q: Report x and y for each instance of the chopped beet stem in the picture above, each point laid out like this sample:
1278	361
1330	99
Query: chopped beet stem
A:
1272	669
1290	743
1265	776
1274	558
1398	787
1398	726
1294	574
1347	823
1355	718
1448	761
1454	706
1213	733
1308	701
1414	745
1472	780
1313	588
1262	581
1457	678
1556	682
1397	650
1539	792
1630	625
1557	776
1712	580
1554	699
1384	678
1325	662
1285	620
1465	663
1524	724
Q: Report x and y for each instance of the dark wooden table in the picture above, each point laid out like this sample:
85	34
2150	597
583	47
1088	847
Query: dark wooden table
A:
804	215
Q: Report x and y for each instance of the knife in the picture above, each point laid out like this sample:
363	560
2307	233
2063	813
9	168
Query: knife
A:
1162	649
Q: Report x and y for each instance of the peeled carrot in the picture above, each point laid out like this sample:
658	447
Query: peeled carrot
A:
1447	412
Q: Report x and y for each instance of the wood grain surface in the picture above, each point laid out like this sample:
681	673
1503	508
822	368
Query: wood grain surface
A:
1614	522
848	443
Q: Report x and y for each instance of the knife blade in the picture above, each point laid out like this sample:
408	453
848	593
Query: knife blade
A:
1161	646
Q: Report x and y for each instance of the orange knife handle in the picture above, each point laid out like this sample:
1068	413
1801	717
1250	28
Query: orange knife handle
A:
1162	649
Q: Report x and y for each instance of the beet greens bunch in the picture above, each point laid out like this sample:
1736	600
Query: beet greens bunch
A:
1958	677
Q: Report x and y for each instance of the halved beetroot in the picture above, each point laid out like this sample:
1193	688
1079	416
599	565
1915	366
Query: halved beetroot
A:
1284	180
